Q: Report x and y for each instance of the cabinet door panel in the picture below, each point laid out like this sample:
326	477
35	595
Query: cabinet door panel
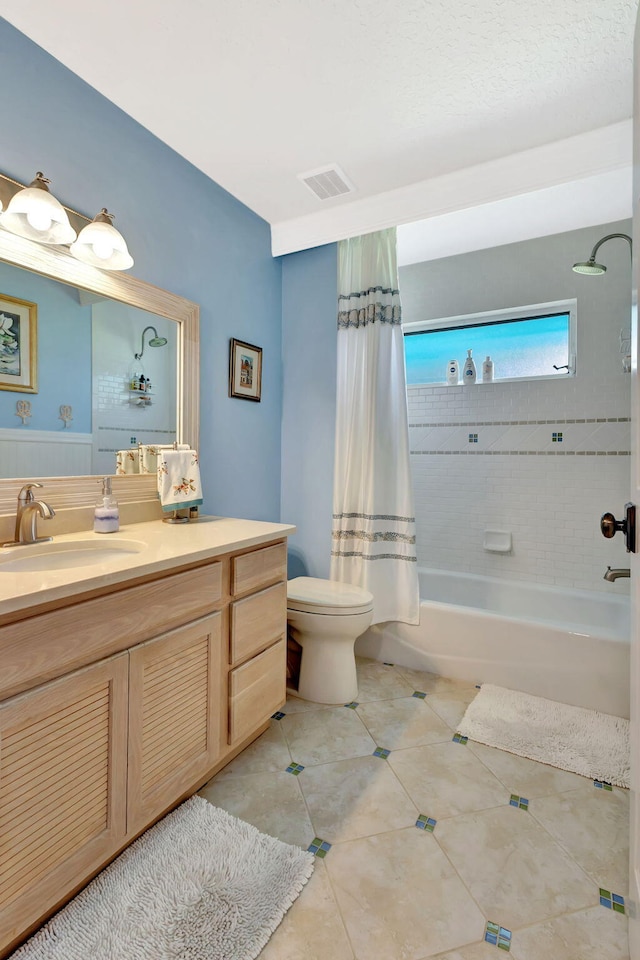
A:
256	689
62	788
174	716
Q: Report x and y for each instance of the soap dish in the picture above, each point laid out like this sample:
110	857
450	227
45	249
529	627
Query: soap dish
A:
497	541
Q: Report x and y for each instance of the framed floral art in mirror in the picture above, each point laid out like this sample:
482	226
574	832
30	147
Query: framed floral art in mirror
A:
18	345
245	370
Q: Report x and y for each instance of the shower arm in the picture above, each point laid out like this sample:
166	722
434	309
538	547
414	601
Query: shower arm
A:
138	356
611	236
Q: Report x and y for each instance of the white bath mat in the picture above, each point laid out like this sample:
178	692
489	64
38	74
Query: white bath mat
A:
199	884
592	744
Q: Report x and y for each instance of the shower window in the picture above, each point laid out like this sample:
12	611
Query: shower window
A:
525	343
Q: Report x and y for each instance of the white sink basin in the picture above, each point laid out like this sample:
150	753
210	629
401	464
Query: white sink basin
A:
66	554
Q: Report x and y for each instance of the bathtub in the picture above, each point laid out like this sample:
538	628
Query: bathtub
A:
567	645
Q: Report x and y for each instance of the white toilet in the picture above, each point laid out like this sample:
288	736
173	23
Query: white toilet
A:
326	617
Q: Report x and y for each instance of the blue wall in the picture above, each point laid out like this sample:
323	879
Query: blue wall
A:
309	331
185	233
64	353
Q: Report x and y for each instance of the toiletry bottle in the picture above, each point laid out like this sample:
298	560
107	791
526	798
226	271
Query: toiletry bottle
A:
453	373
487	370
106	517
469	372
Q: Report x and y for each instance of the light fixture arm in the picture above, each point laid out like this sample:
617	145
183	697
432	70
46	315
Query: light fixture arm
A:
611	236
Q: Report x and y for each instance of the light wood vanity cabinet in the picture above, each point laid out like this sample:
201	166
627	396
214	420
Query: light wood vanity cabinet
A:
128	702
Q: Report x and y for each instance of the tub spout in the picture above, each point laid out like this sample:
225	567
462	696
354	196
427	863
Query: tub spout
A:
613	574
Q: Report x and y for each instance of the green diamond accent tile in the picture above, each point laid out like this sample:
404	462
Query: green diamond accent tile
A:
493	927
602	785
319	848
295	768
605	893
618	908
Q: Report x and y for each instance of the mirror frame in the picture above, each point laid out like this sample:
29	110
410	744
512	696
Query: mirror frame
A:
56	263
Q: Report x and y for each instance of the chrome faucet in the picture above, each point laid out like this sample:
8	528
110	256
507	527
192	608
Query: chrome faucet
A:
613	573
27	517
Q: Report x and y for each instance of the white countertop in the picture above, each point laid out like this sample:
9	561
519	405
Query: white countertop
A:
162	546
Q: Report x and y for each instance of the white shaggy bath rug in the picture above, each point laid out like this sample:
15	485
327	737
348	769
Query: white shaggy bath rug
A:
200	884
592	744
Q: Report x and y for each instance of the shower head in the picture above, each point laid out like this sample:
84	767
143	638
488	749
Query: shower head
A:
155	341
590	268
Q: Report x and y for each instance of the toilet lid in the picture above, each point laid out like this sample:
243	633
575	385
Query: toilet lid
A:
314	595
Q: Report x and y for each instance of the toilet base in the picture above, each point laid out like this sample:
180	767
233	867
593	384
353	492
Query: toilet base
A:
327	669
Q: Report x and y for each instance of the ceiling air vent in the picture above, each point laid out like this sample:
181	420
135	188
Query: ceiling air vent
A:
327	182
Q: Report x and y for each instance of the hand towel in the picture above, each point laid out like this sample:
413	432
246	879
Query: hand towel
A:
149	455
127	461
179	479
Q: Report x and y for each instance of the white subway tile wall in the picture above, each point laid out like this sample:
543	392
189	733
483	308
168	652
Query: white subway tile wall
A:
543	459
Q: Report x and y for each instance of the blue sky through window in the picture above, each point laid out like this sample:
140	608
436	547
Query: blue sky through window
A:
518	348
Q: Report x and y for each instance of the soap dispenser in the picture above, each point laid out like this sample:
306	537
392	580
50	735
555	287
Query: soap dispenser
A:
106	517
469	372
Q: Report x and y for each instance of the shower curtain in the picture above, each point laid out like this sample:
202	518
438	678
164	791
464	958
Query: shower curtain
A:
373	535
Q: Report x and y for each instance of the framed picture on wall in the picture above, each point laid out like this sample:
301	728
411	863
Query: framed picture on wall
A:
18	345
245	370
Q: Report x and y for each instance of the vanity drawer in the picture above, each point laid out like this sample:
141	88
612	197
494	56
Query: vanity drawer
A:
257	621
49	645
250	571
256	690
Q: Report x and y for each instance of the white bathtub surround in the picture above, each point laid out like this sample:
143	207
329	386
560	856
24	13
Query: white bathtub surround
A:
595	745
514	476
568	645
373	536
200	883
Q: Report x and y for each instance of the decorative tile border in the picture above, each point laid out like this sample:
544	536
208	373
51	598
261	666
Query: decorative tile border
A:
612	901
295	768
497	935
521	453
520	802
278	716
458	738
426	823
319	848
517	423
381	753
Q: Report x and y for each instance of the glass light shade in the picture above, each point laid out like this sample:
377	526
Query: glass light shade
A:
35	214
101	245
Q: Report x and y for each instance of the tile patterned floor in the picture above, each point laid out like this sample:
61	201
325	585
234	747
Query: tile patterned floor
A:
424	846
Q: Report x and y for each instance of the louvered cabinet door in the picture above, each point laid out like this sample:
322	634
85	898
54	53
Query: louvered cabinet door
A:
175	698
62	788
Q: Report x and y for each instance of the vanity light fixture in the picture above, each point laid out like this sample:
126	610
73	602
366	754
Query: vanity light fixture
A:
34	213
101	245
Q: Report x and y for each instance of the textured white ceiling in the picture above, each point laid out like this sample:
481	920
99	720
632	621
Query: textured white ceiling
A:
395	91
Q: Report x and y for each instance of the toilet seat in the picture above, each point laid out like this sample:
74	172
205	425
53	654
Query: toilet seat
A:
327	597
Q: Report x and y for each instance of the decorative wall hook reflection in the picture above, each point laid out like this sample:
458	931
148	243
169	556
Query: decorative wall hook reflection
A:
23	410
65	414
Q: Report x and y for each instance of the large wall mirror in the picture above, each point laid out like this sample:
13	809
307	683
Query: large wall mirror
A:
121	353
